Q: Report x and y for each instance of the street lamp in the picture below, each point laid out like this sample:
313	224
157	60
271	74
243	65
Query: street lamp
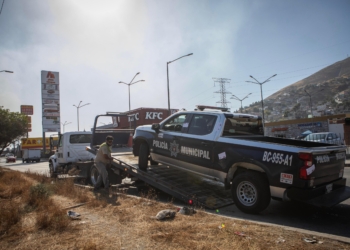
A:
64	124
6	71
167	73
236	98
312	115
131	83
262	100
78	107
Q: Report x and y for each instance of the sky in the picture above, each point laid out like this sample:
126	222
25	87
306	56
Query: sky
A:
96	44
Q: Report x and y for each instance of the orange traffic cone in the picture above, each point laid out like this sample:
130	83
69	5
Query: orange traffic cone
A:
130	141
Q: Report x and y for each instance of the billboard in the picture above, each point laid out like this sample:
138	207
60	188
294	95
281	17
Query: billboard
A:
50	96
27	109
37	142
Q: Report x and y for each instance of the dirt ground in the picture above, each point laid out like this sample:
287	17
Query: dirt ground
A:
118	221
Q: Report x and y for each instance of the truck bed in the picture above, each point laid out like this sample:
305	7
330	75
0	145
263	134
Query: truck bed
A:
178	183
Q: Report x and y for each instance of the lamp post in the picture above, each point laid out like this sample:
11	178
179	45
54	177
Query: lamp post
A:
131	83
262	100
64	124
167	73
312	115
78	107
236	98
6	71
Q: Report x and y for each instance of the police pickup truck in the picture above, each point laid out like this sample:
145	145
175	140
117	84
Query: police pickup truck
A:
231	148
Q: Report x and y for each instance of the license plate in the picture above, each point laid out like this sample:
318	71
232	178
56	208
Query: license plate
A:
329	188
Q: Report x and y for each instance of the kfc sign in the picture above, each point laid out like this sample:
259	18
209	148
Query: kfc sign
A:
154	115
133	117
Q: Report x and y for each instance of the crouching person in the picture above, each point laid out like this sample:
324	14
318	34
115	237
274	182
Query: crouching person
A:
102	160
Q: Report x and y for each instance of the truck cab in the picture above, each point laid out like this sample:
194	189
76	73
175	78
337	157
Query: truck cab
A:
71	148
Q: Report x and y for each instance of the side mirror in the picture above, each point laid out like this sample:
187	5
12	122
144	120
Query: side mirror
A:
156	127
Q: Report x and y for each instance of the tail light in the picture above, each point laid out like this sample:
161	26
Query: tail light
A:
308	167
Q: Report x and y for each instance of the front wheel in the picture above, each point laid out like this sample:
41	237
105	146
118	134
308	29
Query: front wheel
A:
51	170
251	192
143	156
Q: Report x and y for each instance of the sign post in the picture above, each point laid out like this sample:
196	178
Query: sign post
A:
28	110
50	95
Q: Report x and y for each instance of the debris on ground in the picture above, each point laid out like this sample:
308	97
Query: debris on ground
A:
313	240
164	214
186	211
280	240
73	215
222	226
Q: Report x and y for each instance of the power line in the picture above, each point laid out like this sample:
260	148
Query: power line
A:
2	5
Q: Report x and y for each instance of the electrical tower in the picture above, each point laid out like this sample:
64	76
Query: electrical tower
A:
222	91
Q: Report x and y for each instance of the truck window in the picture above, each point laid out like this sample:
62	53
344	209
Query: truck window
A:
243	126
74	139
201	124
175	124
60	141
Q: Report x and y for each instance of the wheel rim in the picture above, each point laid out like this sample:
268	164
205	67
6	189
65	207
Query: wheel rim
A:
93	176
247	193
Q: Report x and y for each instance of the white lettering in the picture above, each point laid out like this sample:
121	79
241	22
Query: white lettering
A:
154	115
195	152
277	158
160	144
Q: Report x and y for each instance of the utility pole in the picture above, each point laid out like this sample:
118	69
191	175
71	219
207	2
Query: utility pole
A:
222	91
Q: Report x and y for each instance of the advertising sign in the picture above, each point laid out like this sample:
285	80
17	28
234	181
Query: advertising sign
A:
37	142
50	95
27	109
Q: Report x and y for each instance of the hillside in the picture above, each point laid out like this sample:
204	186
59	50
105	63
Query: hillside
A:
328	89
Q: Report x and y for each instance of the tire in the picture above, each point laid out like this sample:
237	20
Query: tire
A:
93	175
51	172
251	192
143	156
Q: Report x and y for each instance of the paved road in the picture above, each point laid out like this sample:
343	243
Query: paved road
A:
40	167
334	221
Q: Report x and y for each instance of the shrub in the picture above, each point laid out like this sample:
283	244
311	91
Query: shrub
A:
9	215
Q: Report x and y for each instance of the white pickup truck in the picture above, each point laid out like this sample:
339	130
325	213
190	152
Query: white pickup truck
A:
71	149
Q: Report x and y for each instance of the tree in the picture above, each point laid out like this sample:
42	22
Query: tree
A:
286	113
13	126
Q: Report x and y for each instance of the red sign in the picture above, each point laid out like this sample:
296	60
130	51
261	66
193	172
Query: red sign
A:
27	109
279	129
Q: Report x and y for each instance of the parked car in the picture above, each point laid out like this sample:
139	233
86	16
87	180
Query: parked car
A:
325	137
10	158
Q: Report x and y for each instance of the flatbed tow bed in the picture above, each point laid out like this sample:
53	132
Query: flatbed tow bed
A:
180	184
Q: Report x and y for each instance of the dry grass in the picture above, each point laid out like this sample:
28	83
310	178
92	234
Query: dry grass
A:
122	222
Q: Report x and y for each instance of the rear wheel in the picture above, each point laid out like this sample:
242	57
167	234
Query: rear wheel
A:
93	175
251	192
143	156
